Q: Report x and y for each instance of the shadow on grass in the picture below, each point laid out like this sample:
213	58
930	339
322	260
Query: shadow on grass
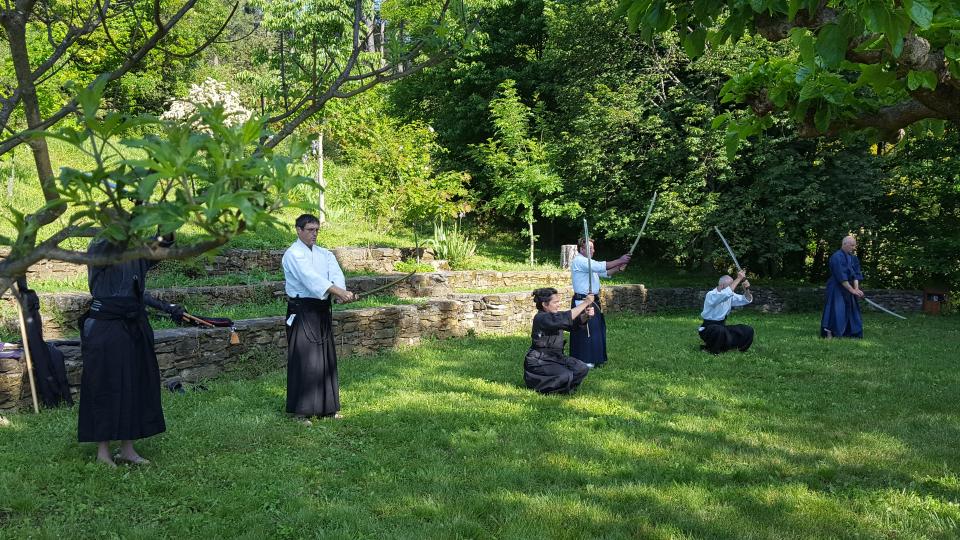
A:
799	438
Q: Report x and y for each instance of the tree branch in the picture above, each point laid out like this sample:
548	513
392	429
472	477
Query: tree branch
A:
18	267
129	64
209	41
888	120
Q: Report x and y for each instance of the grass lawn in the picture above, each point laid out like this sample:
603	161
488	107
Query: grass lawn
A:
799	438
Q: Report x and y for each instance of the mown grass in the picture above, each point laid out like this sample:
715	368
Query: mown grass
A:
798	438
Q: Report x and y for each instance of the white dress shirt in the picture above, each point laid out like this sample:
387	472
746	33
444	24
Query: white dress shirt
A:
717	304
309	273
585	281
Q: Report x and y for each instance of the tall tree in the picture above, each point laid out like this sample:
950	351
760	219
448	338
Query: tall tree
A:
518	163
220	205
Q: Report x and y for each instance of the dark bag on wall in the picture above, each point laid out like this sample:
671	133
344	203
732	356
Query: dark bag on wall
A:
49	370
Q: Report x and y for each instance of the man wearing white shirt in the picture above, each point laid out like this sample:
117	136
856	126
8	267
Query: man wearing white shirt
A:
313	278
586	273
716	335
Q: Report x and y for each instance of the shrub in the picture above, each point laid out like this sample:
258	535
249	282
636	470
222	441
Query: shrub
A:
454	246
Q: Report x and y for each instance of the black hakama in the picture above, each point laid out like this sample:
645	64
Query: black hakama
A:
120	382
546	369
718	337
593	349
312	385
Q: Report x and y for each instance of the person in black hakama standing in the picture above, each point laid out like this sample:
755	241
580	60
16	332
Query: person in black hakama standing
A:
313	278
120	382
545	368
717	336
585	274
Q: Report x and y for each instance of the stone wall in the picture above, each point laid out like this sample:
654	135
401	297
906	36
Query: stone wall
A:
351	259
235	261
195	354
60	311
47	269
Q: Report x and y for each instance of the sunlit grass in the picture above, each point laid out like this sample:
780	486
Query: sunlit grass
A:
798	438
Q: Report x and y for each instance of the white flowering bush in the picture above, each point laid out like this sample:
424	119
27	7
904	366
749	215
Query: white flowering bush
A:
209	94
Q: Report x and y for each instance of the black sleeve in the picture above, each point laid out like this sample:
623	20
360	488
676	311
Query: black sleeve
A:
174	310
156	304
554	321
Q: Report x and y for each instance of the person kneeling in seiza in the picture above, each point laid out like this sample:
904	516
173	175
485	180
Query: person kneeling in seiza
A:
546	369
716	335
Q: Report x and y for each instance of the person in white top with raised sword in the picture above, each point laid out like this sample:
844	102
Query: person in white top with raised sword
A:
589	342
717	303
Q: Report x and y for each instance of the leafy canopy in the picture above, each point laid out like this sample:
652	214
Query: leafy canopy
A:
873	65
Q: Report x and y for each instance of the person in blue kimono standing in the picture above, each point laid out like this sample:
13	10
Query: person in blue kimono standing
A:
841	314
585	272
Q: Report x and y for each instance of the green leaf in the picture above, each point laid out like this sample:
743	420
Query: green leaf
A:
920	11
794	7
876	77
694	43
807	49
938	127
832	45
953	66
89	98
822	117
952	51
731	143
921	79
719	120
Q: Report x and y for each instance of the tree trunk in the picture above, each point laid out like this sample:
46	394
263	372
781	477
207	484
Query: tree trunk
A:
530	230
16	36
322	202
819	260
283	75
706	262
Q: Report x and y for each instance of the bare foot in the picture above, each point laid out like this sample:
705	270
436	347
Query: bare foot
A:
131	459
106	461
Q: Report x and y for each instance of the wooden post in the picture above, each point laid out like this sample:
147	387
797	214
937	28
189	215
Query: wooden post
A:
26	349
567	253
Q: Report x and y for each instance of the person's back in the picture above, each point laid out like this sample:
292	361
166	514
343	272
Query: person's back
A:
120	381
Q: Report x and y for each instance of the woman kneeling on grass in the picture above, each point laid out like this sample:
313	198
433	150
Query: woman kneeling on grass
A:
546	369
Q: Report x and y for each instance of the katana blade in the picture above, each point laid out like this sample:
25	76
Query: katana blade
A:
586	243
644	226
726	245
360	295
883	309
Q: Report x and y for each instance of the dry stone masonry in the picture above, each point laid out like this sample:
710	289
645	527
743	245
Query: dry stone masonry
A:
196	354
